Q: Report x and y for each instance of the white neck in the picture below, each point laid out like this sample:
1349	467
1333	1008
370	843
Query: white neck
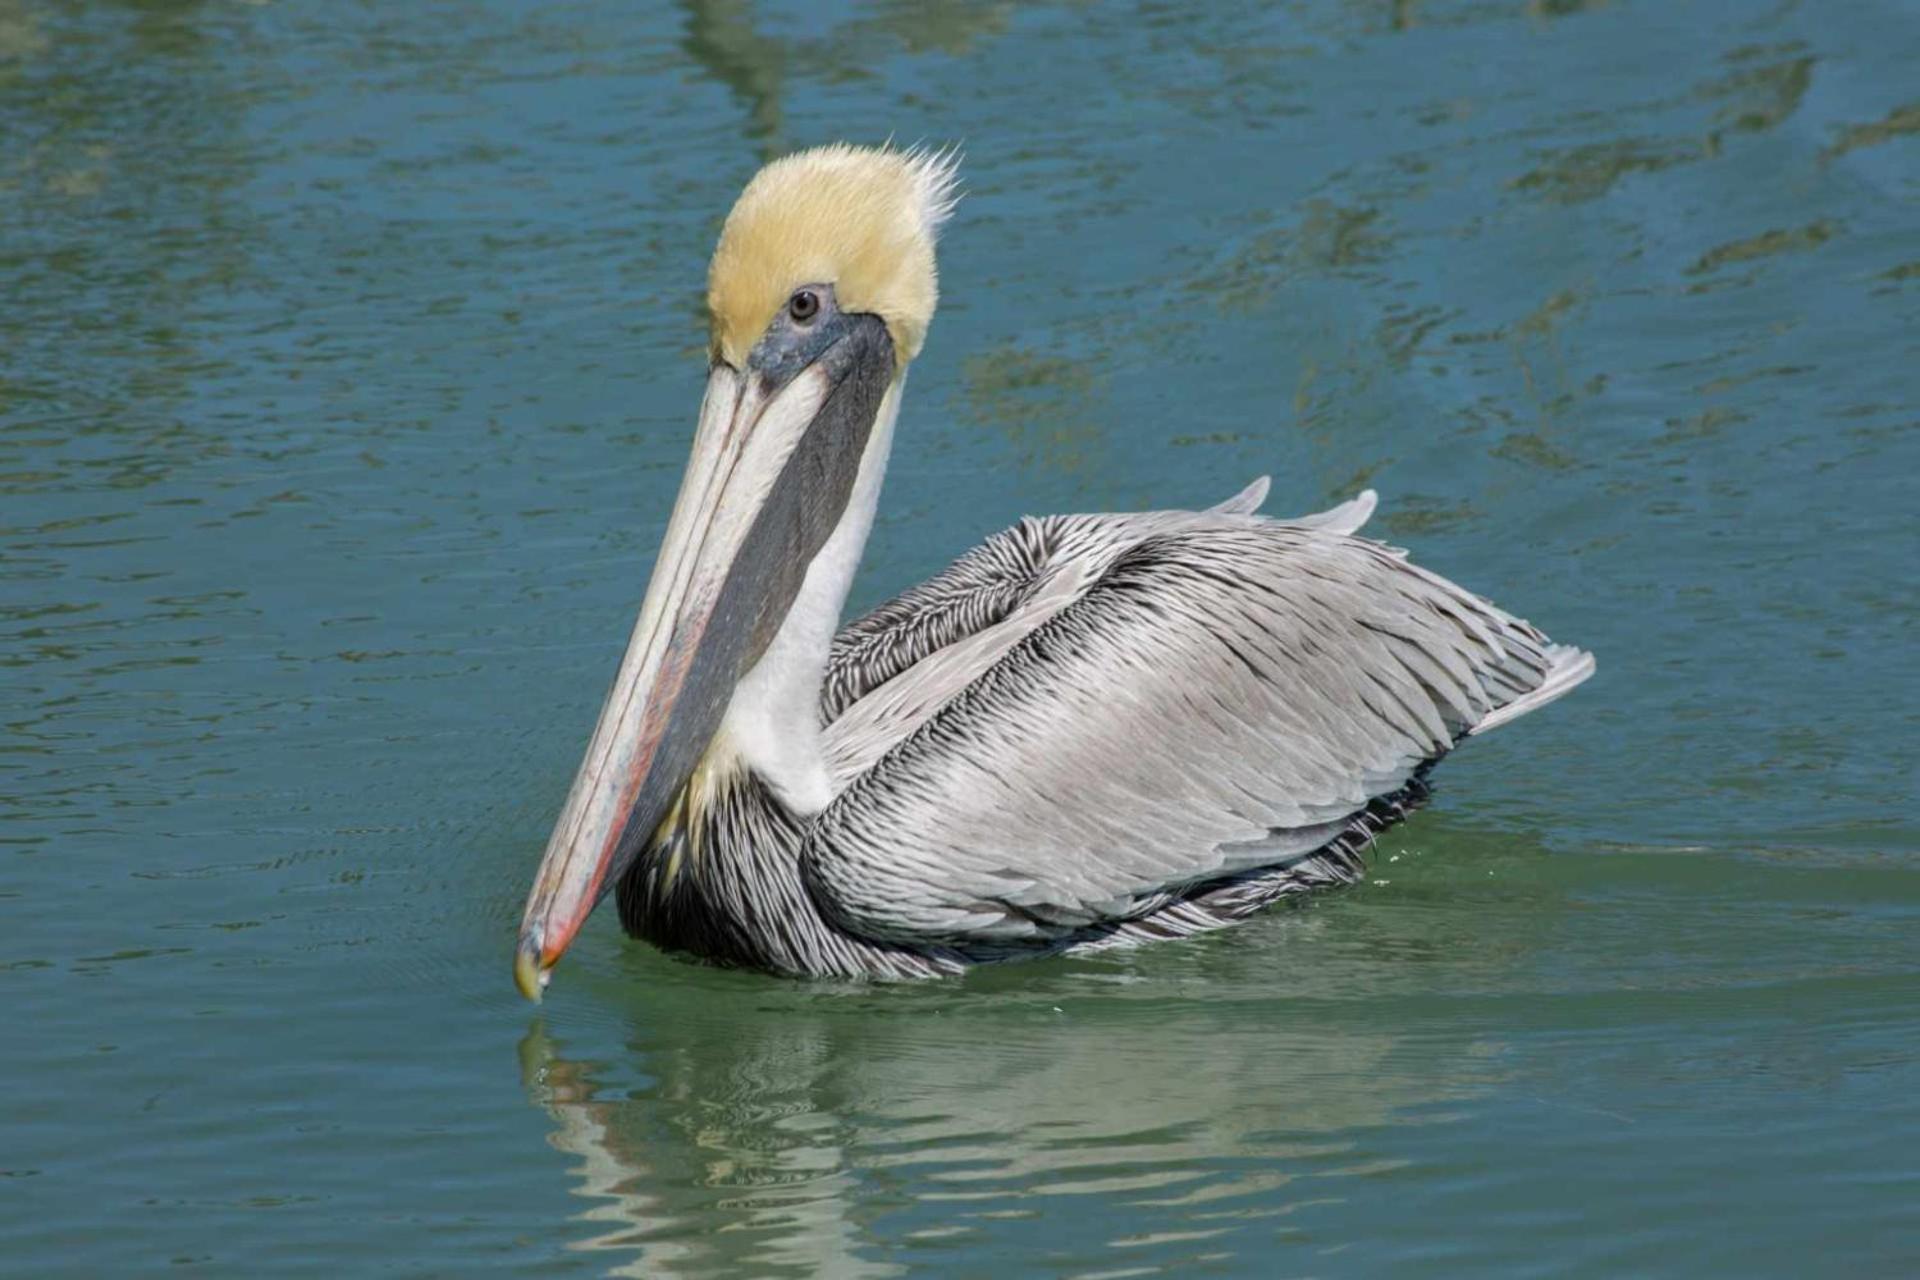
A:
773	719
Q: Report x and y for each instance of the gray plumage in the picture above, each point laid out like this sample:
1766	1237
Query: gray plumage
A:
1098	730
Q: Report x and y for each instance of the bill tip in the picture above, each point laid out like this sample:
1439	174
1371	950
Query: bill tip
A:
528	973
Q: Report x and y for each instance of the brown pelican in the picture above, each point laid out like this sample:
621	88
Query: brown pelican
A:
1090	731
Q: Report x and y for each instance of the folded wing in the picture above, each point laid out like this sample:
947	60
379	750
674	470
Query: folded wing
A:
1148	703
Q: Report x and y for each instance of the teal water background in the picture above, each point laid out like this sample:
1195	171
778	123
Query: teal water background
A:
348	357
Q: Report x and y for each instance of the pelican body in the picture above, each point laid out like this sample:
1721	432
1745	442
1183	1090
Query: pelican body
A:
1090	731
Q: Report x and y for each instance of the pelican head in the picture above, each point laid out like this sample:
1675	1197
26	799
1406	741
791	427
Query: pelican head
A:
819	294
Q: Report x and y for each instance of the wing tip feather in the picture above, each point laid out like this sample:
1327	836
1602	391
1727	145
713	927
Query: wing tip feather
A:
1348	518
1247	501
1569	668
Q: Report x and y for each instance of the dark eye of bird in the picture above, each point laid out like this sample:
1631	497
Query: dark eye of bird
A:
804	305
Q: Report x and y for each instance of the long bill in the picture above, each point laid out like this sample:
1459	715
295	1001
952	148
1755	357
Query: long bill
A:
773	461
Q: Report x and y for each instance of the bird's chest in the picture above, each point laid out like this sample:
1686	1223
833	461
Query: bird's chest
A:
723	883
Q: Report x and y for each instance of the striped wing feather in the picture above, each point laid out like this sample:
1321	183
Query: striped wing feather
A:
1202	695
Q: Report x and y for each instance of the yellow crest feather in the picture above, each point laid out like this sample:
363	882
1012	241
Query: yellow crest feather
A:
862	219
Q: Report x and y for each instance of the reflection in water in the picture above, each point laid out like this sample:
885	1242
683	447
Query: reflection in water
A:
1044	404
775	1140
120	244
652	1174
98	121
1166	1110
722	38
1902	121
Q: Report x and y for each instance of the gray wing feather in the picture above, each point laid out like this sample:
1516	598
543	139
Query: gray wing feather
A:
973	593
986	586
1219	693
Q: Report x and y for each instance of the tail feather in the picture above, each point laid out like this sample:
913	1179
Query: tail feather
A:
1570	668
1245	502
1346	518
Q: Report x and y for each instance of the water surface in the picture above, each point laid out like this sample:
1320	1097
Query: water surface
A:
348	356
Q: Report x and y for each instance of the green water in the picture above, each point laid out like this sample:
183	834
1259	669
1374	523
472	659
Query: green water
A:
348	356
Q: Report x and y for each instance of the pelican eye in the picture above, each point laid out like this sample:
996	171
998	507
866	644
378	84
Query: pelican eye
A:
804	305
